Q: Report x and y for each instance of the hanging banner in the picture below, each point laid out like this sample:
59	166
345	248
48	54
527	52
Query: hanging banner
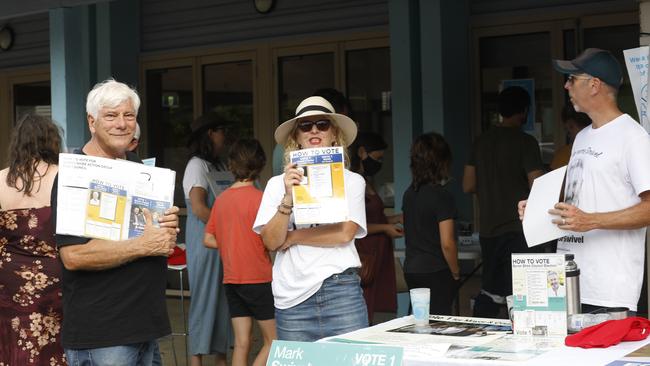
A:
636	61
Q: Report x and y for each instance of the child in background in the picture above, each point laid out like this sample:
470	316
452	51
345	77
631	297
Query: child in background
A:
429	229
247	266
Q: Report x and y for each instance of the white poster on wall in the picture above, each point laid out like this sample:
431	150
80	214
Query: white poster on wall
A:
636	61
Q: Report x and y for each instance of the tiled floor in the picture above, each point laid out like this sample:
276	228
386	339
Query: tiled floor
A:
173	305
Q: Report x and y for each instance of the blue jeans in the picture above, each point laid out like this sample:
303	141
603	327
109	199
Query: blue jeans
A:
337	307
136	354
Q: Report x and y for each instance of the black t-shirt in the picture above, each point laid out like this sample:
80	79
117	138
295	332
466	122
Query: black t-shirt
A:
503	157
423	210
118	306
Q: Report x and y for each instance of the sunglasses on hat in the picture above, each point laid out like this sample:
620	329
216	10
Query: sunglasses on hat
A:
322	125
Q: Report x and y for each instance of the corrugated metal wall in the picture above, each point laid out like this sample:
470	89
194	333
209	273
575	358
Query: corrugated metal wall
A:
31	42
173	24
495	6
176	24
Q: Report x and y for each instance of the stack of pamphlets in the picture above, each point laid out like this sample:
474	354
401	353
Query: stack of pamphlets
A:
105	198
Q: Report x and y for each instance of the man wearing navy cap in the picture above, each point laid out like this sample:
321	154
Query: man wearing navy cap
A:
607	187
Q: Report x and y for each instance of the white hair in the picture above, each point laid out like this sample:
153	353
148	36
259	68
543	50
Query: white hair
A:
110	93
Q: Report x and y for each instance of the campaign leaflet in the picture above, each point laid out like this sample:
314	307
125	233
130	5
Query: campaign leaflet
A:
138	204
97	197
539	295
320	197
105	210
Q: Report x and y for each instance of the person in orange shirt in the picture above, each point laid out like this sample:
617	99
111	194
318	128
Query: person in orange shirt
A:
574	122
247	268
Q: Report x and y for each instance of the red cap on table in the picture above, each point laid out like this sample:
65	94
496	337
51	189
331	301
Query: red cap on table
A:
610	333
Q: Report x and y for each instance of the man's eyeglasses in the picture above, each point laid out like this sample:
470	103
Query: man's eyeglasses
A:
572	78
321	125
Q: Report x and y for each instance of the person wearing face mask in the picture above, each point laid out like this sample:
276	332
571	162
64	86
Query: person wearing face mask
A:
376	249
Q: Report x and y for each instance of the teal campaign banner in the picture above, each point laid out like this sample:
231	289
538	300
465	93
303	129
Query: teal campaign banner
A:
285	353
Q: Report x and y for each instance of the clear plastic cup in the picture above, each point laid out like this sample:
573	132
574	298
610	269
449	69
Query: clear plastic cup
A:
420	305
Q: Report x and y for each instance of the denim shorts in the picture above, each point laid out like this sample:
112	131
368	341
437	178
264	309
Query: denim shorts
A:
136	354
337	307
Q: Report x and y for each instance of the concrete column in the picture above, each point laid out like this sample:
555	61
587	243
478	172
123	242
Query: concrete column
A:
430	82
431	45
406	88
406	100
118	41
429	64
69	72
455	95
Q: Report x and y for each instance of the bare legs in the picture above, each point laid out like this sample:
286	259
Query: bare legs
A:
243	327
267	328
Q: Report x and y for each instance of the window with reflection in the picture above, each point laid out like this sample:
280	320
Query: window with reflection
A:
532	60
616	39
228	91
369	91
299	77
169	114
32	98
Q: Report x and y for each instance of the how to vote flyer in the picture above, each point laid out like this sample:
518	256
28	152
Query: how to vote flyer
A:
105	198
539	295
105	210
320	197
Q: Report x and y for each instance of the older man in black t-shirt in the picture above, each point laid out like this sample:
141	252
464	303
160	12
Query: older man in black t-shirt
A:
114	291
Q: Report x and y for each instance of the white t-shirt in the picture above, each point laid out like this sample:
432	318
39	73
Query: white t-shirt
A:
201	173
299	271
607	172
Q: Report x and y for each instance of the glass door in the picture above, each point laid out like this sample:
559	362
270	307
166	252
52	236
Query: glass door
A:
170	101
228	91
368	88
299	76
616	39
32	98
531	63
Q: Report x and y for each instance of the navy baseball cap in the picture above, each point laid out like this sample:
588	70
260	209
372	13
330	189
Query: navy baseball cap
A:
595	62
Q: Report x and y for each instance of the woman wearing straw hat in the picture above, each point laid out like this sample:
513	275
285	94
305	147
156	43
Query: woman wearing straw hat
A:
316	287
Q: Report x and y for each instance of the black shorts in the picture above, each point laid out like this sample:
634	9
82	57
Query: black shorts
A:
253	299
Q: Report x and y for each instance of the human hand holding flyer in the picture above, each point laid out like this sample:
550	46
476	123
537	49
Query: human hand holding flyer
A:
537	224
105	198
320	197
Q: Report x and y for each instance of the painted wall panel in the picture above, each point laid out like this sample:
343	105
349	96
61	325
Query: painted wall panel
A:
31	42
19	8
174	24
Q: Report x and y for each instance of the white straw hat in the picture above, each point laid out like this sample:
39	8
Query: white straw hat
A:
317	106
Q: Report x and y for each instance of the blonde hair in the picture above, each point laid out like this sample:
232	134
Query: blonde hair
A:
339	140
